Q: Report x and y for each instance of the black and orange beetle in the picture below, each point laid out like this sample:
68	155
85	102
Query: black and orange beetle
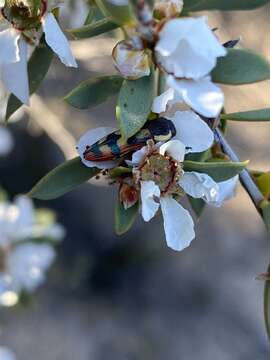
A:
111	148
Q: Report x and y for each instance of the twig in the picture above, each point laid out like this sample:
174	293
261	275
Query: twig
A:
245	178
53	127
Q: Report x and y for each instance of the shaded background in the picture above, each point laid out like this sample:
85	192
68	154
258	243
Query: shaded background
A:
130	297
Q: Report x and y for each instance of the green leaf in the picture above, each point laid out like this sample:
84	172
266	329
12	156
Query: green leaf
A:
219	171
199	5
256	115
93	29
94	91
265	206
241	66
62	179
134	104
91	15
198	205
38	66
120	14
124	219
267	305
119	171
263	182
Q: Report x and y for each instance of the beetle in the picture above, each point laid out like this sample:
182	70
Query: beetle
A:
111	146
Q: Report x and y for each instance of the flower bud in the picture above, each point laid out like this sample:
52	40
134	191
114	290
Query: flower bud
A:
168	8
128	195
130	62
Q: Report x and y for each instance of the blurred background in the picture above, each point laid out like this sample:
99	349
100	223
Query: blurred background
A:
130	297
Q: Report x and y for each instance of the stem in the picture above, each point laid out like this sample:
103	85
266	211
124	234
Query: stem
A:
161	82
245	178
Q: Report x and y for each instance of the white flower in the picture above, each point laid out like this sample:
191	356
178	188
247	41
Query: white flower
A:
187	48
23	263
159	175
6	354
130	62
159	184
168	8
14	48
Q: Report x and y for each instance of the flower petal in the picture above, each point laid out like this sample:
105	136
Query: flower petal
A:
187	48
174	148
9	46
172	33
137	157
199	186
192	131
160	102
149	190
56	39
90	138
15	75
178	224
201	95
226	191
26	212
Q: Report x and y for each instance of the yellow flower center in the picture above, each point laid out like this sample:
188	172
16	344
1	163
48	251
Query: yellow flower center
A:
24	15
164	171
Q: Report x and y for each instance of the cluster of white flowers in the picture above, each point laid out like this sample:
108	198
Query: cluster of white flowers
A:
159	175
26	248
186	51
19	28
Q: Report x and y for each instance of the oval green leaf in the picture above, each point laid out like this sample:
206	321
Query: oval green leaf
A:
124	219
62	179
263	182
198	205
241	66
199	5
120	14
38	66
134	104
119	171
256	115
94	91
93	29
219	171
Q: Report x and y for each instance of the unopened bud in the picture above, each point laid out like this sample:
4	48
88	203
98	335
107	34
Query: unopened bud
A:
168	8
128	195
132	63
